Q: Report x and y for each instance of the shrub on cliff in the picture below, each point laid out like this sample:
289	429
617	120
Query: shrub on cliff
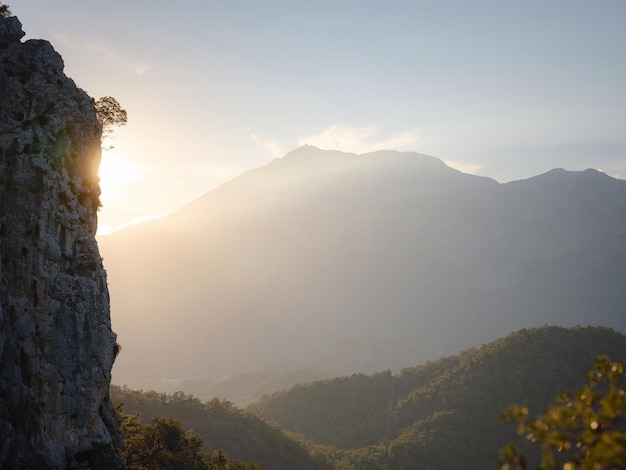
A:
110	114
4	10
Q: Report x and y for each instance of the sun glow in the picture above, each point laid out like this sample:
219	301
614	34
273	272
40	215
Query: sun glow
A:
115	173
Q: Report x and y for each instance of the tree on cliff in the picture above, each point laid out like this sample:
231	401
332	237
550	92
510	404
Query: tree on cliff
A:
4	10
110	114
585	431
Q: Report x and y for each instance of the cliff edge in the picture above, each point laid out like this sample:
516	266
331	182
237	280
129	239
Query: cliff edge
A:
56	343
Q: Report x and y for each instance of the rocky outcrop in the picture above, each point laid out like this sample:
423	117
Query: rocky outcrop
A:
56	343
11	29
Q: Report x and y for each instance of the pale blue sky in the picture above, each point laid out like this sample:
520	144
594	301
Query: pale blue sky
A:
501	88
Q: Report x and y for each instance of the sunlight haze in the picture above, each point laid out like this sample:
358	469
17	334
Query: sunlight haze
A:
213	89
315	235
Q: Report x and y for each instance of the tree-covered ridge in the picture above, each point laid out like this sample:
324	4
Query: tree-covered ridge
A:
346	412
454	402
442	414
240	434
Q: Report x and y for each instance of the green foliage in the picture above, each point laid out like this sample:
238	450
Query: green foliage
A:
443	414
454	402
161	445
218	460
586	430
164	444
241	434
347	412
5	11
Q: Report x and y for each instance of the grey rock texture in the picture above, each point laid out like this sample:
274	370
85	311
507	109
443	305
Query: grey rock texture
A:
56	343
11	29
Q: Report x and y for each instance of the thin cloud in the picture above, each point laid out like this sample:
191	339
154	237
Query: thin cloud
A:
360	139
270	146
141	68
102	51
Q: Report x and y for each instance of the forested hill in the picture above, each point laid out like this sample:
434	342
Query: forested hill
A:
439	415
242	435
421	414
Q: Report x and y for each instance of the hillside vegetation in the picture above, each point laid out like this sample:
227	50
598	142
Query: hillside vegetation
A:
439	415
446	413
239	433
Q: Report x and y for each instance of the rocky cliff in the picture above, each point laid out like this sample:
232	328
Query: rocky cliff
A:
56	343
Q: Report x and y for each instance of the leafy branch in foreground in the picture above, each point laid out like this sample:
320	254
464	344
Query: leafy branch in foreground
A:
585	431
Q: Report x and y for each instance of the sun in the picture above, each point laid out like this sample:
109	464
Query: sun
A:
115	173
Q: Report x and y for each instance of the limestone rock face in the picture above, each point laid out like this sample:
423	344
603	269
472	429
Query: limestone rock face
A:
56	343
11	29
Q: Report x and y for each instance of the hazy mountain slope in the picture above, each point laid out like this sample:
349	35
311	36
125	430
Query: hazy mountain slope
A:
243	389
452	403
362	262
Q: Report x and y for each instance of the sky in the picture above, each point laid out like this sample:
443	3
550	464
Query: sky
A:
214	88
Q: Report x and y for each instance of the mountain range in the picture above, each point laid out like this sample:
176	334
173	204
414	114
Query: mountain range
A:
358	263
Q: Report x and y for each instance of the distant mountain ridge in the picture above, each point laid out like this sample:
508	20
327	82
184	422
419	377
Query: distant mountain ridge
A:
345	263
239	389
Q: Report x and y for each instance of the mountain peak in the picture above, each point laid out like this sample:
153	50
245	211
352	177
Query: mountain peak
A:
379	160
303	149
311	151
354	262
559	178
